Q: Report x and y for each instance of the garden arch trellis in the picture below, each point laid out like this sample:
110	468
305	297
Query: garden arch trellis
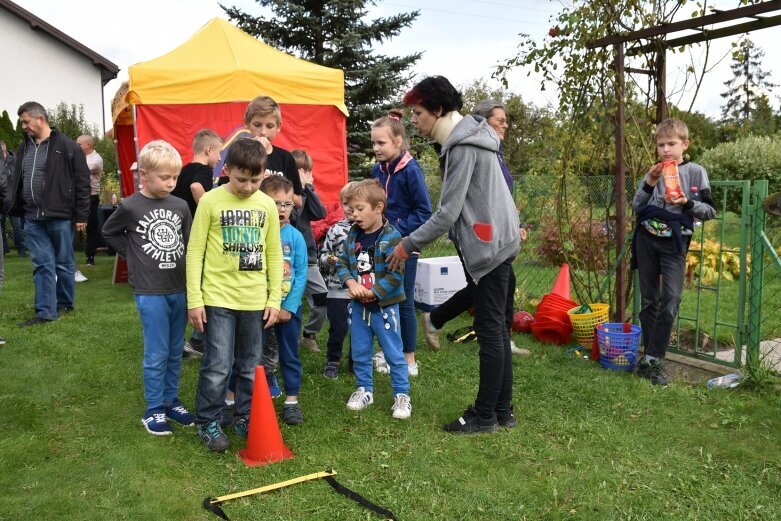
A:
657	42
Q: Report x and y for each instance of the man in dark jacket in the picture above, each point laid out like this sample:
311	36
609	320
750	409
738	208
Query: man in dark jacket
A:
50	186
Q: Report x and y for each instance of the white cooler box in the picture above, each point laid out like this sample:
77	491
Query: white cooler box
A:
437	279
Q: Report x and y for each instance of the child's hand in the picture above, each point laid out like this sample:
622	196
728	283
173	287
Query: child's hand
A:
306	177
654	174
284	315
522	232
266	143
197	317
331	260
678	200
270	317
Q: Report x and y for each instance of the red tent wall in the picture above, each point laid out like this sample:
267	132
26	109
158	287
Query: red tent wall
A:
126	154
318	129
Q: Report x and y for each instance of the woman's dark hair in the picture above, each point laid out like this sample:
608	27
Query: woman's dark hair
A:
435	94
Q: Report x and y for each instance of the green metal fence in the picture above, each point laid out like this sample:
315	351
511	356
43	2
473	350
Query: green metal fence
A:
730	313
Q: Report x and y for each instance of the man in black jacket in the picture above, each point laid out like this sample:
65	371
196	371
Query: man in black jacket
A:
50	187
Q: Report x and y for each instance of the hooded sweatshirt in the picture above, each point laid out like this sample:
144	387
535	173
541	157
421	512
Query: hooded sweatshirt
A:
409	204
475	203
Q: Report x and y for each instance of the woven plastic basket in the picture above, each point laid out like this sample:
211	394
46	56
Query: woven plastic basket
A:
618	345
583	324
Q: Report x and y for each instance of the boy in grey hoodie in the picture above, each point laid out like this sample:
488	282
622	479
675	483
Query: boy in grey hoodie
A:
478	210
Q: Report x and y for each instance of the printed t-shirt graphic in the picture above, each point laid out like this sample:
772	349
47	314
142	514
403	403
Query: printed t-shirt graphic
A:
242	237
162	232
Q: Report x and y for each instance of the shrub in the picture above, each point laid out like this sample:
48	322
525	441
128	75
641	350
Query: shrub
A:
750	158
714	262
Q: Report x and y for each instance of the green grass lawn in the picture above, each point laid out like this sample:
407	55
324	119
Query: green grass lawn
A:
590	444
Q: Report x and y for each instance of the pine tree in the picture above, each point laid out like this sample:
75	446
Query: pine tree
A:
7	132
748	84
336	33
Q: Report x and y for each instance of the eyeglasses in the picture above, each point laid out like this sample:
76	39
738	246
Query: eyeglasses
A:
283	206
501	121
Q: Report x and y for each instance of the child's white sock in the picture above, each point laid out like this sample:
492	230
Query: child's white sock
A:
649	358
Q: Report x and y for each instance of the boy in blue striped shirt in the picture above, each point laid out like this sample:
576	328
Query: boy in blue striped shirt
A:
375	292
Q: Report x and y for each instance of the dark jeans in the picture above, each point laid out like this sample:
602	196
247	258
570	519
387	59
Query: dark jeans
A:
93	231
337	327
496	367
661	272
226	328
464	299
409	322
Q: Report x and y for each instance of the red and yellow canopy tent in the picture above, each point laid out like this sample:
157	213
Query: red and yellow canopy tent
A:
207	82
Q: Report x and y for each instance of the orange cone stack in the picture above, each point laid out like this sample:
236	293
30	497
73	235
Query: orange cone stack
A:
551	321
264	442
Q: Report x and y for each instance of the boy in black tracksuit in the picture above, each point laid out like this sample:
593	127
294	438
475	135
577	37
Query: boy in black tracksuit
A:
661	239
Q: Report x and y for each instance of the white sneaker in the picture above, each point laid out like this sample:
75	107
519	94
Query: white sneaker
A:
360	399
518	351
431	333
380	365
402	407
413	369
79	277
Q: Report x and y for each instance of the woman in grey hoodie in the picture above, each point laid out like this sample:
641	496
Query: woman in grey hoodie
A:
478	210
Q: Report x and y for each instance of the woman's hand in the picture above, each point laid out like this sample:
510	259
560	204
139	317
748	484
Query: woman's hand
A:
397	258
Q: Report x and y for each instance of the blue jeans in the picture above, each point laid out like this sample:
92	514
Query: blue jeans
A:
163	319
364	326
51	252
289	364
228	333
19	237
409	322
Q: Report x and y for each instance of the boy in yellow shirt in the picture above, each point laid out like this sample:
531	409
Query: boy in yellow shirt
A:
234	277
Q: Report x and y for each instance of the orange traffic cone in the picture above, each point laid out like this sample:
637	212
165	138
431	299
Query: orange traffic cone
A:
264	442
561	286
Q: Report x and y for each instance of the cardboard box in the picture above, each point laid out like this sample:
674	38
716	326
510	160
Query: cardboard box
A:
436	280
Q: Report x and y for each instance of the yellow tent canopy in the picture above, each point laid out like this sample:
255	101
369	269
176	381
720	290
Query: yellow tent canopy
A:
221	63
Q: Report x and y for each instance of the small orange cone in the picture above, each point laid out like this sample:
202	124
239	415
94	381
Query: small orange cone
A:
561	286
264	442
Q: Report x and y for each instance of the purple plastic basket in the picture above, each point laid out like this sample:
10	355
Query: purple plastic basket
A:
617	349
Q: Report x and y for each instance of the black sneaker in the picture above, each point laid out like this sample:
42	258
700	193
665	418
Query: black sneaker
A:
292	414
212	436
654	371
90	261
193	348
331	370
2	341
506	418
64	310
35	321
471	423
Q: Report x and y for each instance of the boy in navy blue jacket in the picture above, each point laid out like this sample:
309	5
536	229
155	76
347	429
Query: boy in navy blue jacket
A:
662	235
375	292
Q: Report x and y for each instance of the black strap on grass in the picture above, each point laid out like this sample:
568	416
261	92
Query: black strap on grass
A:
346	492
214	507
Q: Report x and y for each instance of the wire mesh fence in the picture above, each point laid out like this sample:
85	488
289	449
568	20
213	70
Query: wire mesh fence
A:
567	219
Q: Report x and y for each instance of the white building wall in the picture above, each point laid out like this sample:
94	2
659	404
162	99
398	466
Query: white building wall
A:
36	67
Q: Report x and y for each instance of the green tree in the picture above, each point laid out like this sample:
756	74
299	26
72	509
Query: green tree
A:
747	85
71	121
336	33
7	133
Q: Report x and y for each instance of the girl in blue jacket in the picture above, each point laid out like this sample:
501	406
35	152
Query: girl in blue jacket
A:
409	206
